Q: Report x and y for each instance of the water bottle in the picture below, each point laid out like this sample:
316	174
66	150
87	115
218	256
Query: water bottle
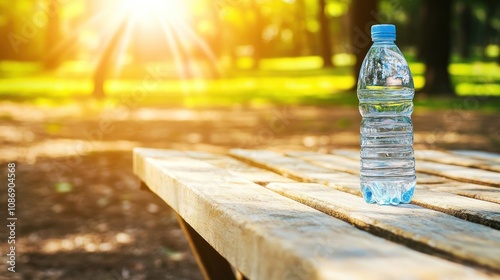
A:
385	92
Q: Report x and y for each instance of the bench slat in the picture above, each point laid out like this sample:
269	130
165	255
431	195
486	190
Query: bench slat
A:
475	191
336	162
459	173
478	154
478	211
461	160
480	246
231	165
254	227
352	166
240	169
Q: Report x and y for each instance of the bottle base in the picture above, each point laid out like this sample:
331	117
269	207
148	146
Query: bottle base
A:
386	192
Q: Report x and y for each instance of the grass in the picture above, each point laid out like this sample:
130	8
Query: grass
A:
278	81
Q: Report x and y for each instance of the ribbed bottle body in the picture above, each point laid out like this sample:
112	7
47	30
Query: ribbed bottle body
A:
385	92
387	158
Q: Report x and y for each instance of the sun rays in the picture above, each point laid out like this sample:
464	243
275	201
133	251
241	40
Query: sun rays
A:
161	24
170	10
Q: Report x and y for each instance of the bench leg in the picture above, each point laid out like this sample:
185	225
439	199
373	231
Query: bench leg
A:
213	266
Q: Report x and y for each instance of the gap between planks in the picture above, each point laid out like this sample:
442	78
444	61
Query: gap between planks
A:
477	211
350	165
478	155
254	228
480	247
460	160
455	172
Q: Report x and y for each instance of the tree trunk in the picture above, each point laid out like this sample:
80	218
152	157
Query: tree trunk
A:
300	45
52	38
9	52
258	44
436	46
490	36
362	15
106	60
215	44
326	51
465	30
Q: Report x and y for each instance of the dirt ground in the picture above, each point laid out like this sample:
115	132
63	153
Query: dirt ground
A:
81	214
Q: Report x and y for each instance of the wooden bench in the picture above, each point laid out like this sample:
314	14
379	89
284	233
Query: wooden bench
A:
300	215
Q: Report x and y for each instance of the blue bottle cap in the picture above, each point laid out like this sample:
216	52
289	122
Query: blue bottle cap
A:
383	32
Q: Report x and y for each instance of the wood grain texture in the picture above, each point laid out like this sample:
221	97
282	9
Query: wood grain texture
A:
346	164
477	191
481	245
352	166
440	233
453	159
477	211
239	169
268	236
459	173
478	154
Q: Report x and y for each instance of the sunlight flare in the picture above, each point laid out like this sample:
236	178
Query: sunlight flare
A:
143	10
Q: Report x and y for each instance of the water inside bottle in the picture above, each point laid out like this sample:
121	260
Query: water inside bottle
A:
387	157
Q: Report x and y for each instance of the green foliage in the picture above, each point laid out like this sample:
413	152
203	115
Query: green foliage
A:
282	81
288	67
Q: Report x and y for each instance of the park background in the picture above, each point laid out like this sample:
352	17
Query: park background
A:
83	82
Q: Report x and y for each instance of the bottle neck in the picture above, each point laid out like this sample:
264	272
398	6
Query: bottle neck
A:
383	41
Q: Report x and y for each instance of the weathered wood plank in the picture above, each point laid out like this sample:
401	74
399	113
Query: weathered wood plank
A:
480	246
475	191
352	154
268	236
231	165
157	153
337	162
299	170
478	211
478	154
461	160
459	173
422	178
239	169
352	166
440	234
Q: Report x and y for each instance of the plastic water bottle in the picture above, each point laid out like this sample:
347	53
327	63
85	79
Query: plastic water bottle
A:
385	92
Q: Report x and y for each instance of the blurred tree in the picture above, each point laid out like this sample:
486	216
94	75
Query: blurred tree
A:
52	36
23	22
326	51
436	46
312	26
106	60
300	45
7	24
258	29
213	39
492	36
232	22
362	18
216	36
465	25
